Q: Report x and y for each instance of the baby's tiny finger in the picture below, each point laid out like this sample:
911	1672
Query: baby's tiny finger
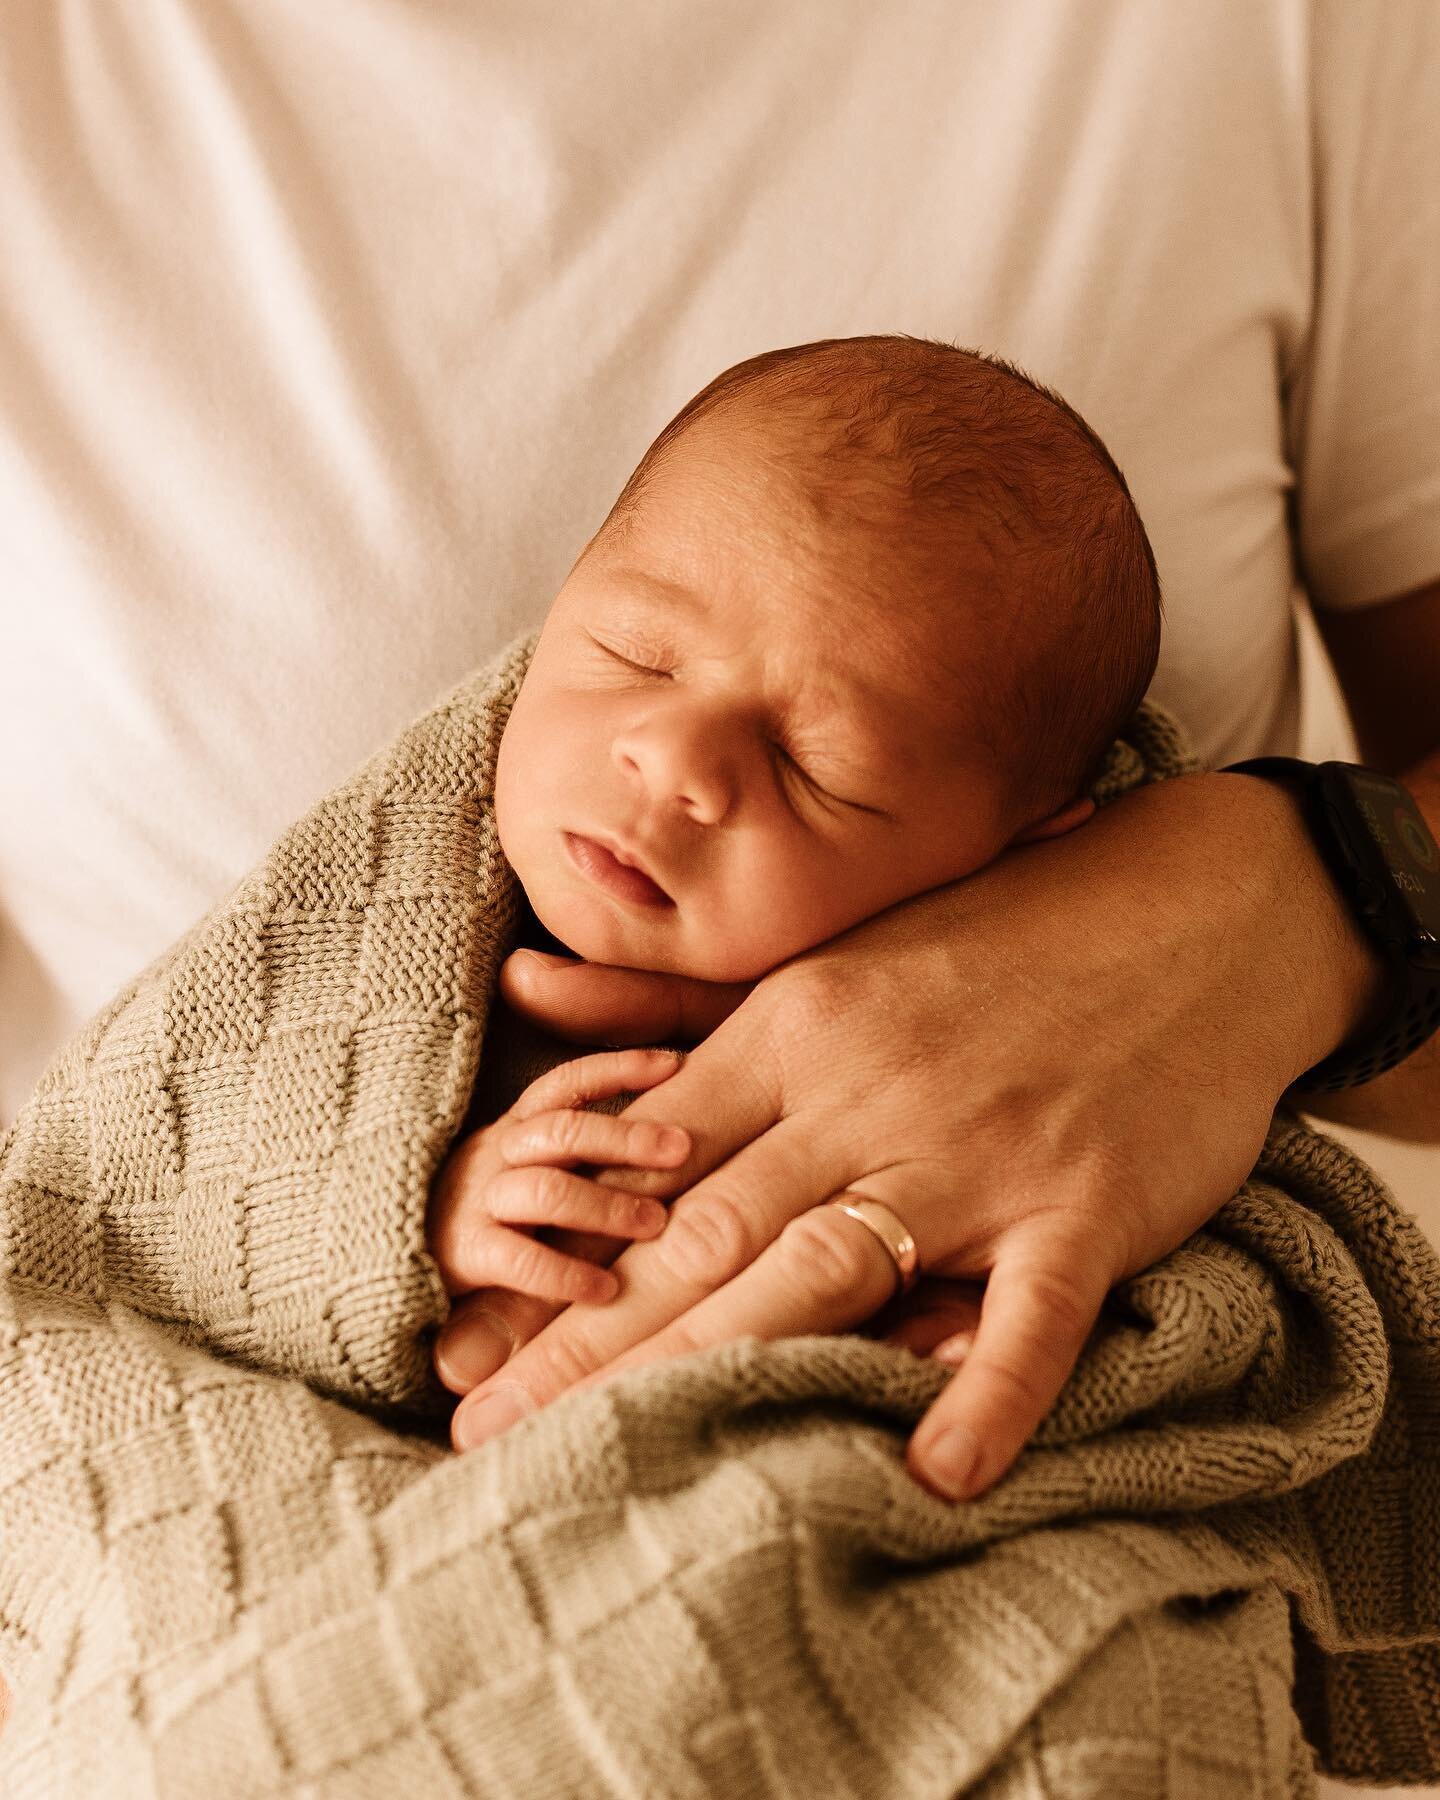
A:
550	1196
576	1137
516	1260
597	1078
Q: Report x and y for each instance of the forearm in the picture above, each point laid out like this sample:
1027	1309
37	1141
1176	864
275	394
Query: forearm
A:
1405	1103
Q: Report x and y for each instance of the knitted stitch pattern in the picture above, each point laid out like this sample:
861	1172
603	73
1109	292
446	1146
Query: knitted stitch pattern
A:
238	1559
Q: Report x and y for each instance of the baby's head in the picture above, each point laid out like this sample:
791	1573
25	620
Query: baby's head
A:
868	612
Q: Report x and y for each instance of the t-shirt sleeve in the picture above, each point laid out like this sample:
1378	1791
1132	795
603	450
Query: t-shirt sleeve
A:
1363	402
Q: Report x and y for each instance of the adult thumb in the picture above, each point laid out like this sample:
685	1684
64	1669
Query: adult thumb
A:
598	1003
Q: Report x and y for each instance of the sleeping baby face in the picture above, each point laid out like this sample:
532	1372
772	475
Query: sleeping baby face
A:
750	723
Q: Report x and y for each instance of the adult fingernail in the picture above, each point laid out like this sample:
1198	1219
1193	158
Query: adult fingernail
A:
473	1348
548	960
951	1462
492	1415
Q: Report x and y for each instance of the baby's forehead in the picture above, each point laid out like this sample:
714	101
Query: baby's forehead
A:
838	571
859	670
852	504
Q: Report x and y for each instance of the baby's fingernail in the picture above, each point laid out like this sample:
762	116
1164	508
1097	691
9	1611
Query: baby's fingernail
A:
490	1416
951	1462
955	1348
653	1218
472	1349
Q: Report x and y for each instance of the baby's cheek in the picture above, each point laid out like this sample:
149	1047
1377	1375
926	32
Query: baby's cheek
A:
509	794
774	913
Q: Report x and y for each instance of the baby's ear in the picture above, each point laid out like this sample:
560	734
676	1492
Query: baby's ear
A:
1057	824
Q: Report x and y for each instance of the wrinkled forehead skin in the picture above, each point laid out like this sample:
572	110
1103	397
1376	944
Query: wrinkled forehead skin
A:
833	574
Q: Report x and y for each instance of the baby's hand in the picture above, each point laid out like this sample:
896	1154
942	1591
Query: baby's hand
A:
520	1172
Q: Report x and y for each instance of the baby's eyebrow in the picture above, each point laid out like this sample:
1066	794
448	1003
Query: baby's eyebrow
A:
661	589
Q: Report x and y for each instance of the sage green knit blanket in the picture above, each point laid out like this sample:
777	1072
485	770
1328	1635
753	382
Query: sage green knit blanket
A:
238	1558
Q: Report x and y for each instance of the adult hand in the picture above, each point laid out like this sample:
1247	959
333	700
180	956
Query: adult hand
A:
1053	1072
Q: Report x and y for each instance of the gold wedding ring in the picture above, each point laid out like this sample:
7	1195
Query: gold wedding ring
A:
891	1232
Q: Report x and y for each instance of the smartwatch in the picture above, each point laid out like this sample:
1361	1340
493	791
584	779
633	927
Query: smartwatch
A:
1384	859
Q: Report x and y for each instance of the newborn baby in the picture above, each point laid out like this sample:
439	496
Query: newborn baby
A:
868	614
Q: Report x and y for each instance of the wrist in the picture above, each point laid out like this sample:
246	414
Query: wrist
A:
1338	977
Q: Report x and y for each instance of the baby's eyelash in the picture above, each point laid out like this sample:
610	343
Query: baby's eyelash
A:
798	768
787	759
817	787
629	662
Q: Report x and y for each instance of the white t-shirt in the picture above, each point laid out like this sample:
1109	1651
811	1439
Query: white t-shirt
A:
328	333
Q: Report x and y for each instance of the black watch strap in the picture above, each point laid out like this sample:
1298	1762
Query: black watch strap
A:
1384	859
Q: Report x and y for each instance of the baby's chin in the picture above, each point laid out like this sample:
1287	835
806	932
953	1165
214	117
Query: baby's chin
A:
592	929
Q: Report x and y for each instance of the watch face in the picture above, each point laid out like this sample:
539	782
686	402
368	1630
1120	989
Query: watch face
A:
1417	843
1401	852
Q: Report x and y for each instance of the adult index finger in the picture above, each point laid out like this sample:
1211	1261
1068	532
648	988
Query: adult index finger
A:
597	1003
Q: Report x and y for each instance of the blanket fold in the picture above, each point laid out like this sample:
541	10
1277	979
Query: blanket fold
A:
237	1557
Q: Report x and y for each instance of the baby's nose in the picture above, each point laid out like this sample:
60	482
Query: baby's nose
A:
682	768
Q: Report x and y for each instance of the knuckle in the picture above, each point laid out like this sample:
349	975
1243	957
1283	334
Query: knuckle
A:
706	1243
555	1087
1030	1397
476	1250
527	1263
548	1188
504	1139
555	1365
579	1079
1060	1302
461	1173
565	1129
817	997
823	1261
495	1201
623	1213
1095	1218
1068	1295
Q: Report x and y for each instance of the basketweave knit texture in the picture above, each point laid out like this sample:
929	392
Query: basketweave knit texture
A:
237	1559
